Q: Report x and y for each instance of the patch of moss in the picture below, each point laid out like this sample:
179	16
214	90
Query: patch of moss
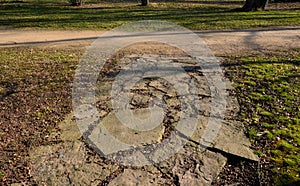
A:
271	102
266	113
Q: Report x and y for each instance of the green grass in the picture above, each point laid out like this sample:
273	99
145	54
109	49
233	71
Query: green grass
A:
33	14
268	88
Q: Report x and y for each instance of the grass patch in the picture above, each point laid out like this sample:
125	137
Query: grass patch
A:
268	88
33	14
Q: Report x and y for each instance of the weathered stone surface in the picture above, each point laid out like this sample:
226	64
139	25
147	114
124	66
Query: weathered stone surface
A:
69	129
48	162
139	100
193	167
168	148
104	88
159	85
130	158
201	84
132	177
231	111
230	138
65	164
92	173
135	138
212	164
70	163
16	184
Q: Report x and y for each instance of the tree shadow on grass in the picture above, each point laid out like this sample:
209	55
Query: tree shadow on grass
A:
21	15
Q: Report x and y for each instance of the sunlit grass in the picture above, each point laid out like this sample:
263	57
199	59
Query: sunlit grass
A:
103	15
268	90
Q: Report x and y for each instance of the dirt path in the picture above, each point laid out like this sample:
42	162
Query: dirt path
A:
221	42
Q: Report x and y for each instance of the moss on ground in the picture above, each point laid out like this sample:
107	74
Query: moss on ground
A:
268	88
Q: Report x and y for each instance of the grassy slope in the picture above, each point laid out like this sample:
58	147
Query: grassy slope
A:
44	15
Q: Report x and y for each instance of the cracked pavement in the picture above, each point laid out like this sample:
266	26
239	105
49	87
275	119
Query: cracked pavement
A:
75	162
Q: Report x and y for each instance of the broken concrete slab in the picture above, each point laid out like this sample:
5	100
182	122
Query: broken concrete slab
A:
65	164
204	174
117	129
193	167
69	129
70	163
132	177
230	138
231	111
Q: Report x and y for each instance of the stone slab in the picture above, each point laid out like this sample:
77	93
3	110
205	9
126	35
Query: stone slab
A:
193	167
65	164
131	177
230	137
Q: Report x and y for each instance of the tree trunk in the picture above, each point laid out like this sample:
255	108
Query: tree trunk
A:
254	5
145	2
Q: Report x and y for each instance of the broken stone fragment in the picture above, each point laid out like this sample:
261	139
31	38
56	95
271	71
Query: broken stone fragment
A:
65	164
230	137
132	177
69	129
72	163
118	130
193	167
